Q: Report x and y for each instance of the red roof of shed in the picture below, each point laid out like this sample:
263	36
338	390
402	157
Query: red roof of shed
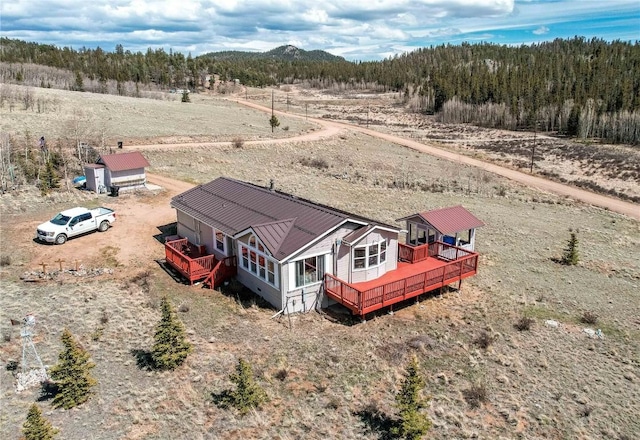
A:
124	161
451	220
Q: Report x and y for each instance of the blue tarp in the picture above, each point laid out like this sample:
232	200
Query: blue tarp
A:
79	179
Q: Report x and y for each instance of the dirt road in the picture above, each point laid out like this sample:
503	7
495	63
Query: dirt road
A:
333	128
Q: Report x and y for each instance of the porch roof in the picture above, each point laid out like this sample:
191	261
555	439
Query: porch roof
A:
449	220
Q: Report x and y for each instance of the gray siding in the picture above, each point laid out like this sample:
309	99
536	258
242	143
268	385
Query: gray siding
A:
259	287
127	179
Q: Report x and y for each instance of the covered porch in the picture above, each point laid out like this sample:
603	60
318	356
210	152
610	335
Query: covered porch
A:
193	262
420	269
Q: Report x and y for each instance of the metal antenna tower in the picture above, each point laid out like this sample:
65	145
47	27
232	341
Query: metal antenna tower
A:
32	369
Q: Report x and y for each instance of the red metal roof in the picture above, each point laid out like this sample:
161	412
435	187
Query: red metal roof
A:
284	223
451	220
124	161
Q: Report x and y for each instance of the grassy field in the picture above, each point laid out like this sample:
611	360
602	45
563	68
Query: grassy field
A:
333	377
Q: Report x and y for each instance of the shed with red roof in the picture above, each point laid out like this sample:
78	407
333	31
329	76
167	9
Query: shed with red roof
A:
125	171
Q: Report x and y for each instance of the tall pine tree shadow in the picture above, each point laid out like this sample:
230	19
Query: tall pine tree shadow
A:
144	360
376	422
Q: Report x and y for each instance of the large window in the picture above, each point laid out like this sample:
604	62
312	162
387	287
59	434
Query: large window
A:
309	271
256	261
369	255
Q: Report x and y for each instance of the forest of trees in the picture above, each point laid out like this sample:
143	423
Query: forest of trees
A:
575	87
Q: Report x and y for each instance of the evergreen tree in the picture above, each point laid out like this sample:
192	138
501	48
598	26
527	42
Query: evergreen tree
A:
72	374
36	427
49	178
171	347
274	122
248	394
570	256
412	424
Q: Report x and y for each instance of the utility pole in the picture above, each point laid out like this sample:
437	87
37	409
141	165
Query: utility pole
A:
367	115
533	150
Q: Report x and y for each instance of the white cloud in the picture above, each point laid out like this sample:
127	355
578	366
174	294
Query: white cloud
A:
541	30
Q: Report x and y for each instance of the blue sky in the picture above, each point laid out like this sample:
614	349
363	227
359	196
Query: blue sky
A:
354	29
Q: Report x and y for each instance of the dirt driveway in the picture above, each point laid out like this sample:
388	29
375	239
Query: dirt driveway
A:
127	246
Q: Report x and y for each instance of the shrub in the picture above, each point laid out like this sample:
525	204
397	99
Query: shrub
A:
320	164
72	374
36	427
248	394
5	260
171	347
570	256
484	340
412	424
589	318
238	142
476	394
524	323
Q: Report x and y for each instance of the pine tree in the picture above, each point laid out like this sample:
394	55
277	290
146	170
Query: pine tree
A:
248	394
72	374
171	347
274	122
412	424
570	256
36	427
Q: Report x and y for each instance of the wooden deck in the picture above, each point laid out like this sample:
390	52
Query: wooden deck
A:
192	262
446	265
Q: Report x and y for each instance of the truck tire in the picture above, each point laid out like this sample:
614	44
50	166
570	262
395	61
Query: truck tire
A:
61	239
103	226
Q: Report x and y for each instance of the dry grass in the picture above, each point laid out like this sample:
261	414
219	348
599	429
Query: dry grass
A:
544	383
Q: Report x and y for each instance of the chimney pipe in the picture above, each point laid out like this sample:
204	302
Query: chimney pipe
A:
271	183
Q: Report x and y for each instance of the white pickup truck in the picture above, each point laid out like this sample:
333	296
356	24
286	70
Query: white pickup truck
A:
73	222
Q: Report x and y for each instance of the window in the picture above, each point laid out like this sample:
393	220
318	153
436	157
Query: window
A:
256	261
309	271
359	258
271	272
369	255
245	257
220	242
464	237
422	236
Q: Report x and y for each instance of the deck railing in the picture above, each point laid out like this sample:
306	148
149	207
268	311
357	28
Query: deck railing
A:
192	268
415	254
362	302
223	270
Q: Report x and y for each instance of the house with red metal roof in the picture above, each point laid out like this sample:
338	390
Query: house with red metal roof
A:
300	255
123	171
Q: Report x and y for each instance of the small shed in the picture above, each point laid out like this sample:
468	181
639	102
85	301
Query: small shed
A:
94	174
125	171
454	226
